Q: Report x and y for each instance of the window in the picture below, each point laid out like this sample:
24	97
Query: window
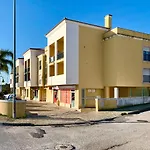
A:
146	75
27	70
146	53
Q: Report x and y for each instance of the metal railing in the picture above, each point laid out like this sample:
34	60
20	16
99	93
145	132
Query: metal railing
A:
52	59
60	55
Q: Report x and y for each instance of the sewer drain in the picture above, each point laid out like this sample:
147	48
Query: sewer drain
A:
65	147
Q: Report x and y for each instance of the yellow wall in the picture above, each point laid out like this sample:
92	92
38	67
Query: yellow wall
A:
60	68
52	50
121	56
123	92
6	108
90	58
60	45
49	94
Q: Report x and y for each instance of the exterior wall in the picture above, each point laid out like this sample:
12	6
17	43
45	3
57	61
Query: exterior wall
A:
49	95
70	33
72	53
41	72
20	64
52	37
30	94
32	55
6	108
11	79
90	58
121	56
34	66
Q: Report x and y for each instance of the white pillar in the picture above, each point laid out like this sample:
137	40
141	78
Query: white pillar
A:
116	92
56	58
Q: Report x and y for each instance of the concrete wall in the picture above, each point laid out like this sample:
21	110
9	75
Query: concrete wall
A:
6	108
132	101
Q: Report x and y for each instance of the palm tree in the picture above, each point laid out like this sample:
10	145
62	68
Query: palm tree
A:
4	61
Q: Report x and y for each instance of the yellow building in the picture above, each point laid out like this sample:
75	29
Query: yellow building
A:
82	61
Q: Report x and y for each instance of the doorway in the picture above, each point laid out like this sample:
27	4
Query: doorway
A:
72	98
55	96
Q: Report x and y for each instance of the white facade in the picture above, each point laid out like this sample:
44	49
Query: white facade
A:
20	64
11	80
32	55
70	32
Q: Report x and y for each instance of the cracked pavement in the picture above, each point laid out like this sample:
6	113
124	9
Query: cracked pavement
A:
121	134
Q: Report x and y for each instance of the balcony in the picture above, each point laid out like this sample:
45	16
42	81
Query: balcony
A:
60	55
51	59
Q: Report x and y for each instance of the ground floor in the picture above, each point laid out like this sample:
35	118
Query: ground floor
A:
73	96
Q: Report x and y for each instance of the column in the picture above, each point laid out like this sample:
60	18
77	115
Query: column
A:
56	58
107	92
116	92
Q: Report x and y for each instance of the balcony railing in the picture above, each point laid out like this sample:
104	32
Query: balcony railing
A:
60	55
51	59
25	70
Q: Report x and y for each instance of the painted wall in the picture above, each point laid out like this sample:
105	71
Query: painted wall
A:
49	97
90	57
72	53
121	56
20	63
32	55
52	37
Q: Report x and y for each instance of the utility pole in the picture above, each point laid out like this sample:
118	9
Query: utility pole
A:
14	60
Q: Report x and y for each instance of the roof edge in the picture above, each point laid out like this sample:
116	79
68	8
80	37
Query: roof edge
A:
67	19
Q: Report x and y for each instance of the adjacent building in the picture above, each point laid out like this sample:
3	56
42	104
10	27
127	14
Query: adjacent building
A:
82	61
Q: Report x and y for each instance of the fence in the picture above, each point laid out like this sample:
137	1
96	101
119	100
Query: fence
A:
110	103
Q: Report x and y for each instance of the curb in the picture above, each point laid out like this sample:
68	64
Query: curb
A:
91	122
136	112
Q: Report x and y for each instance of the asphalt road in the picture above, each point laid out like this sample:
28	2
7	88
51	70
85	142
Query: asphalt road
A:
127	134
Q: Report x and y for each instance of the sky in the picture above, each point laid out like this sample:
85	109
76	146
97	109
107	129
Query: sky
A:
36	17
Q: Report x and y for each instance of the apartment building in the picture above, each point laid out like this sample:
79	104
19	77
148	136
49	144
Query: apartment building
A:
82	61
31	73
19	78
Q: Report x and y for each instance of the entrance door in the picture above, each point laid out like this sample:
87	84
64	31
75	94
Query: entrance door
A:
72	98
55	95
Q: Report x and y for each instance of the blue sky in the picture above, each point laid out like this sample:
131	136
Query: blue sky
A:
36	17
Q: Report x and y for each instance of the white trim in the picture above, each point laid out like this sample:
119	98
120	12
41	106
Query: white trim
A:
56	28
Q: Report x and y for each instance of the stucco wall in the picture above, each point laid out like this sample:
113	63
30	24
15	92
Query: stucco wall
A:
123	61
90	58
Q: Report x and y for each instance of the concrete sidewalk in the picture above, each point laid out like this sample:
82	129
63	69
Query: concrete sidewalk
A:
49	114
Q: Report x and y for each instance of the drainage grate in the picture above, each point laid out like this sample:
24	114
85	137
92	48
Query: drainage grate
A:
65	147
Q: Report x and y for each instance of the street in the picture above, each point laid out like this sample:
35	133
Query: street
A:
125	133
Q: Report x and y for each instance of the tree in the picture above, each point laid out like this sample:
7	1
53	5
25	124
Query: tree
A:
4	61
